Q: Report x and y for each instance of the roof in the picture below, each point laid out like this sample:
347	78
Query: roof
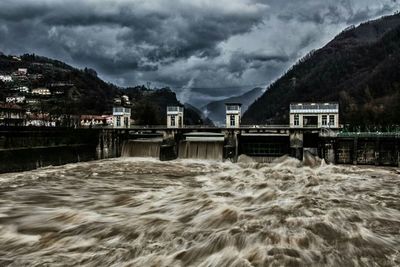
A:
314	107
38	116
177	105
233	104
41	88
309	103
94	117
11	106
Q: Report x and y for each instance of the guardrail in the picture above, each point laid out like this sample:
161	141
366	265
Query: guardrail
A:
207	127
369	134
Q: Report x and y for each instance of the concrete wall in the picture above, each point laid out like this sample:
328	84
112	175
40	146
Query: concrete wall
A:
26	148
301	119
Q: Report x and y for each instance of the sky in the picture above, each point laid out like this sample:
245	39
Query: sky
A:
202	49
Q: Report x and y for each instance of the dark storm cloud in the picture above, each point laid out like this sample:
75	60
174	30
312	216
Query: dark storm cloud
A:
201	48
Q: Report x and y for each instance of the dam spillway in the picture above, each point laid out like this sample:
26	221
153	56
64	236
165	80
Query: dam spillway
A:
202	146
142	148
201	150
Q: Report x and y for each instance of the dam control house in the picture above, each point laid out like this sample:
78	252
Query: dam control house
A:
121	112
175	117
233	115
314	115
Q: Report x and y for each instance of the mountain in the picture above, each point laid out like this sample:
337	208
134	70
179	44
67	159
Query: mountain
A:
196	116
78	92
93	96
359	69
149	107
216	110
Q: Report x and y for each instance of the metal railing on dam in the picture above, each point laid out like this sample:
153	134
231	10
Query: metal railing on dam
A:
193	127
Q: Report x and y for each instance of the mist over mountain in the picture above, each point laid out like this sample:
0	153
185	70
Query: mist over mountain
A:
359	69
216	110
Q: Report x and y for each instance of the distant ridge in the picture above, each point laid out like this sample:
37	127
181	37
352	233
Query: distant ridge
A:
216	110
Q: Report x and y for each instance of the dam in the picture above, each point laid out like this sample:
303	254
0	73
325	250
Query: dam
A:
30	148
313	129
264	144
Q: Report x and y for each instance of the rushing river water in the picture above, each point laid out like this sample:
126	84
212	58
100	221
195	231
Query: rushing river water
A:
143	212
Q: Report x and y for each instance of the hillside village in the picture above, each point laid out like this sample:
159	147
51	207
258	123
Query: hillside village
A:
36	91
29	101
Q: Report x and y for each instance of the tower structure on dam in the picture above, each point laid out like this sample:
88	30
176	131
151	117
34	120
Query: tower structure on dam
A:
314	115
233	115
175	117
122	113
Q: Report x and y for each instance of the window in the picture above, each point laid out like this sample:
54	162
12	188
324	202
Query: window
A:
172	120
126	121
174	109
331	120
118	109
324	120
232	119
180	121
296	120
118	121
232	108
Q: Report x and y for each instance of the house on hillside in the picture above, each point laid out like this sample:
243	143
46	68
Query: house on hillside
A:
11	115
15	99
22	71
96	120
41	91
40	120
6	78
36	76
21	89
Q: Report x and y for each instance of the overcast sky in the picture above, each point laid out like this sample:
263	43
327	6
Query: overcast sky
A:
202	49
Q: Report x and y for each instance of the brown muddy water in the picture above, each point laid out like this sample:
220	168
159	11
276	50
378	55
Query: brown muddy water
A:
143	212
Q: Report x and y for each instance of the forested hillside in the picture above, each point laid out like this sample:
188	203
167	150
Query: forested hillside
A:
359	69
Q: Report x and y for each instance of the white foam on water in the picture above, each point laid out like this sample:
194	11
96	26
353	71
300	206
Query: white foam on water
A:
186	212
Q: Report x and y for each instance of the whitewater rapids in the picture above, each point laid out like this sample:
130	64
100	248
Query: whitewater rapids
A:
143	212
